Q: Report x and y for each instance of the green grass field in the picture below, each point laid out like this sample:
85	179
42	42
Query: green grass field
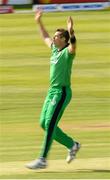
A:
24	78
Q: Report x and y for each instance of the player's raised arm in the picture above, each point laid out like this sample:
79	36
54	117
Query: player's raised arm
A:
72	46
43	31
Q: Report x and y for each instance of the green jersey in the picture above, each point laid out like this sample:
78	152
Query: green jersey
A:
60	67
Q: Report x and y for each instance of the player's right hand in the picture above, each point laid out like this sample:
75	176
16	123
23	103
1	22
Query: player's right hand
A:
38	15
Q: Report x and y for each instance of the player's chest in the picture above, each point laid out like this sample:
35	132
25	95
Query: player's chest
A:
56	58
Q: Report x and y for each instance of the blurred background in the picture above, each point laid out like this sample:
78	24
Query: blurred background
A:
8	6
5	2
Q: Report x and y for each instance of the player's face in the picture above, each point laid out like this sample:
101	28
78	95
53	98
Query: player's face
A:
57	39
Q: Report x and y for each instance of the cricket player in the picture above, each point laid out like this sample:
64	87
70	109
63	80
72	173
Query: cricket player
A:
63	47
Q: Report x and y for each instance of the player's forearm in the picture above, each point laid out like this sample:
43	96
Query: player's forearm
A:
72	45
43	31
72	36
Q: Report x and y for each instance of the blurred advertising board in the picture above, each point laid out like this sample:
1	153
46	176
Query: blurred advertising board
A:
6	2
72	6
3	2
65	1
5	8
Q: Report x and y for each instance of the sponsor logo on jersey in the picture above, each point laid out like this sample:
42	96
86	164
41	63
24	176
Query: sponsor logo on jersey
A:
54	61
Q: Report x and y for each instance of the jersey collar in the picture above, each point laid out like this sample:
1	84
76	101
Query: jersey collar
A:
64	47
